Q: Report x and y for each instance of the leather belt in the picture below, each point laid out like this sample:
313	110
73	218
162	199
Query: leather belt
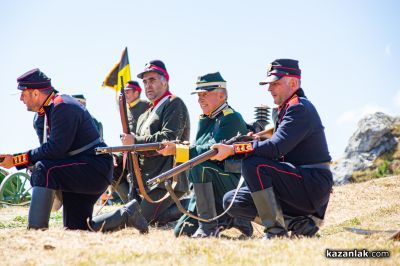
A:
317	165
84	148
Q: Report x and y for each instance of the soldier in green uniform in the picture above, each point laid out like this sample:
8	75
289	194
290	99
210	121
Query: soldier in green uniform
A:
166	119
210	179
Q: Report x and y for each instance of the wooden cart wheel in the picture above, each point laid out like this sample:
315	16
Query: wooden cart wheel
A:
15	189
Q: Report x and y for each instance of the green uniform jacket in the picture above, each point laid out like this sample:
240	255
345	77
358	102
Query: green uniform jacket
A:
135	111
224	126
170	122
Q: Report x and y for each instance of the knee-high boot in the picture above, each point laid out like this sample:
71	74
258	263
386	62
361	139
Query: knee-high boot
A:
129	215
205	204
270	213
40	208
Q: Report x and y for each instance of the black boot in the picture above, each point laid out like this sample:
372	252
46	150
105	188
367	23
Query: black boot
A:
128	215
172	213
270	213
40	207
205	204
301	226
244	226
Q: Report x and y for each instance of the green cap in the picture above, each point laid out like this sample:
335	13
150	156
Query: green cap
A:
209	82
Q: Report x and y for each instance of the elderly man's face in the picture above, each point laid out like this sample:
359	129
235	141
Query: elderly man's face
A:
210	100
131	95
281	90
154	87
30	99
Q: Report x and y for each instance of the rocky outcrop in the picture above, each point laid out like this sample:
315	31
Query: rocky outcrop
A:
372	138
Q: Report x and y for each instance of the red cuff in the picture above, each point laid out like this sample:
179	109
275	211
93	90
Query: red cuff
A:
20	159
242	147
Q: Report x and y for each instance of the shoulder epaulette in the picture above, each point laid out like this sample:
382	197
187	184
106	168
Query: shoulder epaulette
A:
227	111
58	99
294	100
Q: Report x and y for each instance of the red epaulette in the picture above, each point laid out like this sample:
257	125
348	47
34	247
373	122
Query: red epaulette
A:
58	99
294	100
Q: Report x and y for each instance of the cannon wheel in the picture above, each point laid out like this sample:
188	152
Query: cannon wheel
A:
15	189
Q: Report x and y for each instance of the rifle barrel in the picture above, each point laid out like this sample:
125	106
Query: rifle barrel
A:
182	167
130	148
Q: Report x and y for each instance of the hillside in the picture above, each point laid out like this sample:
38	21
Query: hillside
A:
370	205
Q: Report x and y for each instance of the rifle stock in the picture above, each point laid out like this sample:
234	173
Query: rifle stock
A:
132	194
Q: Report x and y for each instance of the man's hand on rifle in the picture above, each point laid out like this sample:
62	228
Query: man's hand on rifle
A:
6	161
128	139
169	148
224	151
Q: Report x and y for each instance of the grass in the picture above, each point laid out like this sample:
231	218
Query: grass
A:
370	205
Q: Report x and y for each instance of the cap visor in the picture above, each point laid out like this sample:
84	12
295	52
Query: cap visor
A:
198	91
140	75
16	93
269	79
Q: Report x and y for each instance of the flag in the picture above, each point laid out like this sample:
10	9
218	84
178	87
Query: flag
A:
121	69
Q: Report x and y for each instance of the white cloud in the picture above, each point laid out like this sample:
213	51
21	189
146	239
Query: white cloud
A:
388	49
353	116
397	99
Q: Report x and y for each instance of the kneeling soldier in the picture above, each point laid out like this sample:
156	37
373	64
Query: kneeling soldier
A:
289	173
65	161
210	179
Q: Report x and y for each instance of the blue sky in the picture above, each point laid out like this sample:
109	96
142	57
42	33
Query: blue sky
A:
348	52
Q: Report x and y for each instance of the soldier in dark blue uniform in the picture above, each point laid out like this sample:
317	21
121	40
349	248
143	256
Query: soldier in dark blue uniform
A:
287	174
65	161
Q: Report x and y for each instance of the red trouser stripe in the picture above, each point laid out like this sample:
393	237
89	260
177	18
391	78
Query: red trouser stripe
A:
59	166
276	169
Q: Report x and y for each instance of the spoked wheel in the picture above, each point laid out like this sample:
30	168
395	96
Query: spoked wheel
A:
15	189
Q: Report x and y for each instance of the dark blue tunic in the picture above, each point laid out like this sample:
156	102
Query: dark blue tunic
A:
82	176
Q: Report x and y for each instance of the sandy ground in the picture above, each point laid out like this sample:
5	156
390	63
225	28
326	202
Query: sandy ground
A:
372	205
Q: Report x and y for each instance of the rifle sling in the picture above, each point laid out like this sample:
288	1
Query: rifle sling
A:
184	211
139	180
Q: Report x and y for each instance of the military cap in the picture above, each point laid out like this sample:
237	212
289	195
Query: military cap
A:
133	85
155	66
209	82
282	68
80	98
34	79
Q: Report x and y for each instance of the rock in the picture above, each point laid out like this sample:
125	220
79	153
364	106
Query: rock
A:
372	138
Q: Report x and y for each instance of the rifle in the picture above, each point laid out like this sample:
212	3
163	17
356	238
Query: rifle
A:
131	158
201	158
131	148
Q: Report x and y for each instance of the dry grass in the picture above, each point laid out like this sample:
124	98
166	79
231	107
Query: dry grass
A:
370	205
